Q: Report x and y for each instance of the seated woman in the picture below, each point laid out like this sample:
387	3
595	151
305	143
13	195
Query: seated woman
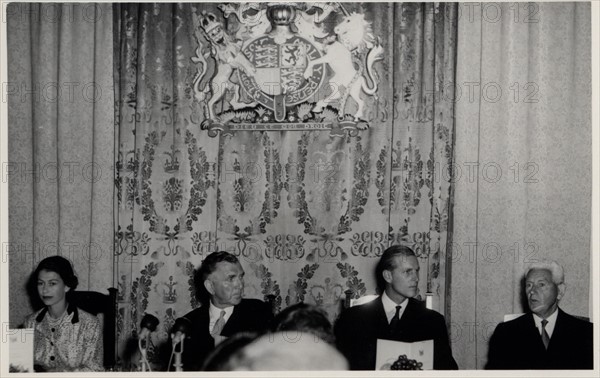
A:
65	337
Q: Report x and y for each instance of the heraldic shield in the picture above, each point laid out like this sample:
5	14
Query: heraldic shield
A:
279	79
283	71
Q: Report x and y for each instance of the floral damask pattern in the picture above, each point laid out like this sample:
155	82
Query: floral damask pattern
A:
308	215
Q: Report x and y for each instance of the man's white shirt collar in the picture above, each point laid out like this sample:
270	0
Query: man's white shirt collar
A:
551	322
214	314
389	306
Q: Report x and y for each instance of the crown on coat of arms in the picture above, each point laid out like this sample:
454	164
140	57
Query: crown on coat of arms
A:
281	13
208	21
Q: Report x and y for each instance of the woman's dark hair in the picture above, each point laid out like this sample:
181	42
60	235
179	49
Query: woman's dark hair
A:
386	262
60	266
208	266
303	317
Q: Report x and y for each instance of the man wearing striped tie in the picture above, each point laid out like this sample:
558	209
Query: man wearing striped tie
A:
219	284
546	337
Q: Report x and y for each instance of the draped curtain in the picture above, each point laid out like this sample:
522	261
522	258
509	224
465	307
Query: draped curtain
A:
133	191
61	143
307	214
523	146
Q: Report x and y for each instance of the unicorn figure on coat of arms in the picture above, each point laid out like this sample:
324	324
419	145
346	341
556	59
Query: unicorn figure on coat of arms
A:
353	35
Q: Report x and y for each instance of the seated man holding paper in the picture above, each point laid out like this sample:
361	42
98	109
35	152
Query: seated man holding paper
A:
395	315
219	286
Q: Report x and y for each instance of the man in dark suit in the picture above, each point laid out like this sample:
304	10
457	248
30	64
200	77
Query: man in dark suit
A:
546	337
395	315
219	286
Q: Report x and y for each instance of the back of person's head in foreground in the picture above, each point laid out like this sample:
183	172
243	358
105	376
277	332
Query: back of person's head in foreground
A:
303	317
282	351
220	358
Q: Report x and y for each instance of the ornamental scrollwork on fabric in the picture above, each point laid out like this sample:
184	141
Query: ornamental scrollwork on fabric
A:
327	295
419	242
168	320
156	222
294	185
411	177
268	285
430	178
169	290
380	181
246	212
352	205
273	173
131	243
204	242
284	247
140	290
172	192
297	290
360	189
189	273
353	283
327	248
368	244
203	178
126	180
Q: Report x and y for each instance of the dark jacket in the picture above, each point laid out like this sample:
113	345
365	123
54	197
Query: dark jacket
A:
517	344
250	315
359	327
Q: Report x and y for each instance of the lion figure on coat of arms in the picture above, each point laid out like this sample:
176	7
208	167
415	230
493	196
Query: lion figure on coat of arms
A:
229	57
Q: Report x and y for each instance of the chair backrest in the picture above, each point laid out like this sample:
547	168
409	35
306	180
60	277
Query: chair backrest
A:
106	304
509	317
349	301
364	299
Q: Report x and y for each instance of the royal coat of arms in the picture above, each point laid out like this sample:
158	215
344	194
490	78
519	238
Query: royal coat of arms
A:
284	70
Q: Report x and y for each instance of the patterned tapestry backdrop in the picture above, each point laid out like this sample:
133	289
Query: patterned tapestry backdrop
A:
307	214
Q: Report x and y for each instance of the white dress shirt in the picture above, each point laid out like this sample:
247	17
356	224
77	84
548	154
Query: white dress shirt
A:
549	326
214	314
389	306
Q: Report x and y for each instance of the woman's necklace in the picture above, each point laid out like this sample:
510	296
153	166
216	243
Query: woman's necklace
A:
54	322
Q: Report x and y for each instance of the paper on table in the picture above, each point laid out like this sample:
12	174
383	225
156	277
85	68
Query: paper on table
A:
20	350
388	351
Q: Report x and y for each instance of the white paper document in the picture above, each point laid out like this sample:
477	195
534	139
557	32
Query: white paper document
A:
20	350
389	351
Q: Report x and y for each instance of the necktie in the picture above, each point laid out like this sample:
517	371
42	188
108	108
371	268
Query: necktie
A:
545	337
395	320
218	327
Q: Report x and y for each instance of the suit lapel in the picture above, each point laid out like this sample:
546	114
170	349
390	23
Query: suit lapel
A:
407	316
204	320
533	334
559	333
233	321
410	317
382	325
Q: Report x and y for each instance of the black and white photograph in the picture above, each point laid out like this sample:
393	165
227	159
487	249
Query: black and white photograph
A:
300	186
